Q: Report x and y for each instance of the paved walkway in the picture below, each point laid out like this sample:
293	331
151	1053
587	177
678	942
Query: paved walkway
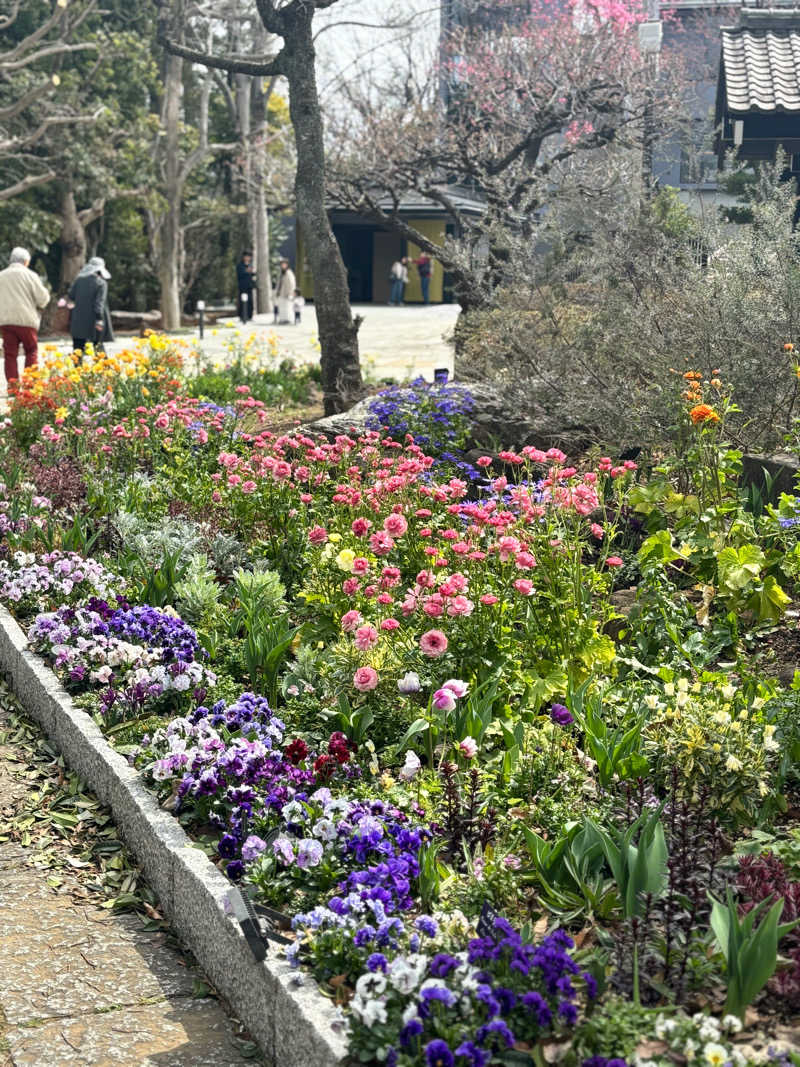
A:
81	983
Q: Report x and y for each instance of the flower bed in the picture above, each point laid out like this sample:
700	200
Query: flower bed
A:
400	703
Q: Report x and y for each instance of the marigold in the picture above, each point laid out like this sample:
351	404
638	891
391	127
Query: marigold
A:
703	413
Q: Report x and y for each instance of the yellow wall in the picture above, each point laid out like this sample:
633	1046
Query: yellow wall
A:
435	230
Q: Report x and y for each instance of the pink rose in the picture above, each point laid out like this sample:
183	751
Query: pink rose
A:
433	643
365	678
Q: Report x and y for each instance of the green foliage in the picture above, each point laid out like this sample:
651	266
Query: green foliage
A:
750	950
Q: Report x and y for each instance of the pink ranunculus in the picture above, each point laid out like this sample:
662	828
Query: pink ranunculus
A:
234	479
433	643
457	687
460	605
468	748
318	535
365	678
525	561
385	598
389	625
613	561
366	637
361	526
216	496
524	586
395	525
360	565
248	486
381	543
597	531
444	700
350	586
351	620
483	461
434	606
488	599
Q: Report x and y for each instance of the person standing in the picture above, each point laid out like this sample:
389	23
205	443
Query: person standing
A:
299	304
245	283
398	278
90	319
424	269
23	295
284	292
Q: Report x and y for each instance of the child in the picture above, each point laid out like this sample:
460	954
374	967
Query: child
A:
299	304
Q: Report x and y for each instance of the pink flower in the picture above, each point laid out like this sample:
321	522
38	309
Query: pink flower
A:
483	461
597	530
433	643
395	525
613	561
318	535
389	624
366	638
381	543
457	687
248	487
460	605
351	620
360	526
216	496
489	599
365	678
468	748
444	700
350	586
524	586
524	560
360	565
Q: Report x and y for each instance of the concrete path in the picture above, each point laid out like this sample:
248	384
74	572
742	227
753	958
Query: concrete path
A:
81	983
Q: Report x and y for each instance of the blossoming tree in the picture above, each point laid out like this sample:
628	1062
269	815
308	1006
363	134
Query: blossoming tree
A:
510	104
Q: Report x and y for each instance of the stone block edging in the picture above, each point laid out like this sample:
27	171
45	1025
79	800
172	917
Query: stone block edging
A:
292	1023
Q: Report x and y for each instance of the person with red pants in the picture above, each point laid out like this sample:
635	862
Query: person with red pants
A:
23	295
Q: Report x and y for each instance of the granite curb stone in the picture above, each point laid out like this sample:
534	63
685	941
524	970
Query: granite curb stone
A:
293	1023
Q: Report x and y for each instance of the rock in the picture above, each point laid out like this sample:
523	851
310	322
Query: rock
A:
781	471
351	423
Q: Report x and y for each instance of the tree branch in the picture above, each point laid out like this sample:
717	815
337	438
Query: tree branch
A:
235	64
29	182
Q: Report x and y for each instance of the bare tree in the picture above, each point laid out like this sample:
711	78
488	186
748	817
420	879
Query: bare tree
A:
338	330
31	105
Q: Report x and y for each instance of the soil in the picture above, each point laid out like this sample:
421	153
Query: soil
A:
779	652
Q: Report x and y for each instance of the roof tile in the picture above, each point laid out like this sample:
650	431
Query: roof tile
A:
762	69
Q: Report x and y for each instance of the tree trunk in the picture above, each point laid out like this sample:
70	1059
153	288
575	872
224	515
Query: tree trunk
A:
170	230
338	330
260	219
72	239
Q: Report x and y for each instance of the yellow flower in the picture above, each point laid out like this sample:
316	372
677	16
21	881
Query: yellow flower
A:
733	764
344	561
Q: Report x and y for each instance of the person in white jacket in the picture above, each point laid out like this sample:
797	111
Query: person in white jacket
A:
284	292
23	296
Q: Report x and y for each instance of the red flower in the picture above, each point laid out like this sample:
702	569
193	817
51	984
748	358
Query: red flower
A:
297	751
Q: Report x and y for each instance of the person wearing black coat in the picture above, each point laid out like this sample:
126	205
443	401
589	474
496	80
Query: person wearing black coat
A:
245	284
90	319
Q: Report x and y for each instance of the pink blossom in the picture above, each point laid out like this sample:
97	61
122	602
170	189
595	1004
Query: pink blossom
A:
443	700
350	586
483	461
248	487
389	625
525	561
351	620
365	678
460	605
395	525
360	526
433	643
524	586
613	561
597	531
457	687
360	565
318	535
489	599
366	638
468	748
381	543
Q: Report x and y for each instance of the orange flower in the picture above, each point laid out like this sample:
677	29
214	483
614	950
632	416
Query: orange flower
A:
703	413
788	347
692	375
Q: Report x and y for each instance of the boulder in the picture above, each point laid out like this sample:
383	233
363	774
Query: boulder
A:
779	470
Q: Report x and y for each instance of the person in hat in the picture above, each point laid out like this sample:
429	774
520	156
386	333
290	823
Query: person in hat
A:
90	320
22	296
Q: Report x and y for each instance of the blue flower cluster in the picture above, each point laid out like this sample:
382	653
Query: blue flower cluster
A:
151	627
435	414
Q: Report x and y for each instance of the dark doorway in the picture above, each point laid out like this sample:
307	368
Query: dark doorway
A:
355	243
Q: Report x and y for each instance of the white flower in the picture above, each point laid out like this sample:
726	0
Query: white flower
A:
651	701
715	1055
406	972
409	683
409	1014
709	1030
664	1027
690	1049
371	984
369	1011
683	685
731	1023
681	700
733	764
728	692
669	689
410	767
